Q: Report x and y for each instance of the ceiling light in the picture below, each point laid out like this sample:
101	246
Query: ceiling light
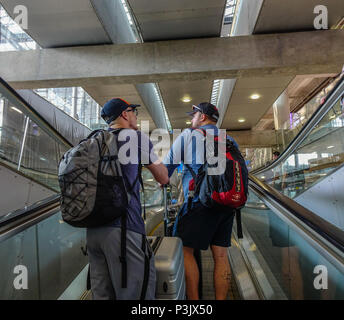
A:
241	120
330	147
186	99
255	96
15	109
188	122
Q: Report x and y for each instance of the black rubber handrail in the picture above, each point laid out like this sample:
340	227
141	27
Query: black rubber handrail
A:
308	127
27	211
20	220
325	229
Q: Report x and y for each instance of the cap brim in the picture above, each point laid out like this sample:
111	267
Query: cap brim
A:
191	113
134	105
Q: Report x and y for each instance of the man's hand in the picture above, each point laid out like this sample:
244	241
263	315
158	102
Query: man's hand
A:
163	185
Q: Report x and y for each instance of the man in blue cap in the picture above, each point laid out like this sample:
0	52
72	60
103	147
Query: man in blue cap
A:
104	243
196	226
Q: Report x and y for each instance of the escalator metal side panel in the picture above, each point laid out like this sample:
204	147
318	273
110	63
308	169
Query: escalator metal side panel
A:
240	271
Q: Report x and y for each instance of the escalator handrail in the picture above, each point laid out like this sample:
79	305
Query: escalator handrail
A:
325	229
34	115
4	164
316	117
20	220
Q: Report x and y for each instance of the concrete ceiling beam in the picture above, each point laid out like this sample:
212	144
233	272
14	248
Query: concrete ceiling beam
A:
196	59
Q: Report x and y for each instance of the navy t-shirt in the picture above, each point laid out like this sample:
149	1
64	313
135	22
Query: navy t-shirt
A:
134	148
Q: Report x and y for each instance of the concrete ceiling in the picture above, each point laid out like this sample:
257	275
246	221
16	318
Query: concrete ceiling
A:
299	91
71	23
275	16
302	88
294	15
174	92
127	92
61	23
241	106
178	19
66	23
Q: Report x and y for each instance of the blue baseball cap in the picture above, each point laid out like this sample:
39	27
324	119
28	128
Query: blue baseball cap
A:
114	108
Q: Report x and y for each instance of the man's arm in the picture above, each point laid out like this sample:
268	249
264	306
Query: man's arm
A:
176	154
159	172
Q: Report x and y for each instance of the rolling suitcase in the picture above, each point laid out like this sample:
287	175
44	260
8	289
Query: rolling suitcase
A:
169	264
168	227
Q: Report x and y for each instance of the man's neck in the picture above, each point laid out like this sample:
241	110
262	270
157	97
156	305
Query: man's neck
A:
119	126
204	123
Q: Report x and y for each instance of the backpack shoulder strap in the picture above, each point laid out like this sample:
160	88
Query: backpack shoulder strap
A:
191	170
94	132
116	131
204	133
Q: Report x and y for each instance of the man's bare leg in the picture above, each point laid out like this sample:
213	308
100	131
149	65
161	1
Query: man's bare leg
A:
222	272
191	274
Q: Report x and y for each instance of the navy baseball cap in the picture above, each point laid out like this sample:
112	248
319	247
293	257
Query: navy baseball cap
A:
207	109
113	109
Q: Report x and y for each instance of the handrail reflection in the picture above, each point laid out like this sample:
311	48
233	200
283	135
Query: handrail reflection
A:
319	225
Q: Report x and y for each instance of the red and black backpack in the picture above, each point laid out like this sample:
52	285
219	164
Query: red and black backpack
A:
228	189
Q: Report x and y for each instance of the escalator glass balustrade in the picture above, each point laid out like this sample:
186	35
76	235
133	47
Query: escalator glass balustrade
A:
294	265
312	173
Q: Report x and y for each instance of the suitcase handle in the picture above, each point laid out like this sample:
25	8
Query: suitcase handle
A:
166	220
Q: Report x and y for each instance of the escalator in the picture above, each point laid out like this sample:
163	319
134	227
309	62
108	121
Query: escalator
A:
293	245
30	150
34	241
287	252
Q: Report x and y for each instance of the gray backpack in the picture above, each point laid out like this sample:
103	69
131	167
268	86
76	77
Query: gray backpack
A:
93	192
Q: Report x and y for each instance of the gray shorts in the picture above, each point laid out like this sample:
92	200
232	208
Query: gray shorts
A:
104	249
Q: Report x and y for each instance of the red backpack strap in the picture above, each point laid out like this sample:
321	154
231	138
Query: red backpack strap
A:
204	133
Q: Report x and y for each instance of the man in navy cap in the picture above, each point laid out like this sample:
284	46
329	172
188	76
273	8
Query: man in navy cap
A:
103	243
196	226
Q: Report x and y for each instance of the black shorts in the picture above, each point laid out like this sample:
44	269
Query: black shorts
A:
203	226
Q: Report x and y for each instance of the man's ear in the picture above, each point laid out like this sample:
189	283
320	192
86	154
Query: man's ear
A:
124	115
